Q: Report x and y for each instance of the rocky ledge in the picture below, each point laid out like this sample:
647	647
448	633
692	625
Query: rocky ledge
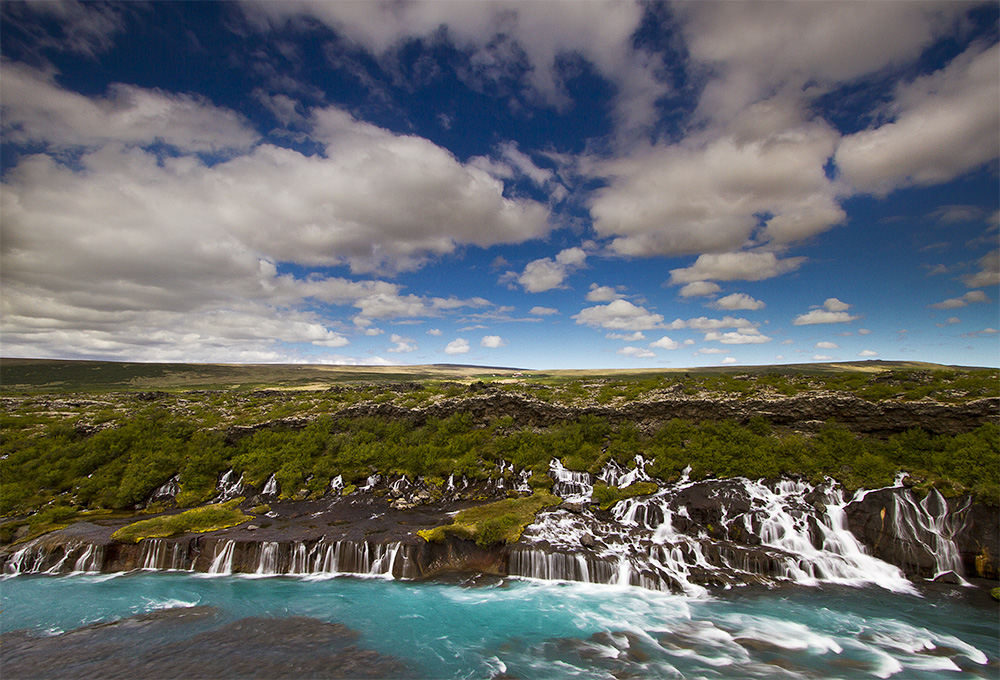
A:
685	536
806	412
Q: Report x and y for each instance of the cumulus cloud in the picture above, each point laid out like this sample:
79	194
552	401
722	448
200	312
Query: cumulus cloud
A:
492	341
665	343
867	353
704	323
728	361
457	346
502	38
827	345
85	28
938	127
619	315
708	196
989	271
547	273
700	289
955	303
434	331
745	336
401	344
37	110
742	266
627	337
602	293
543	311
832	311
636	352
139	233
822	357
738	301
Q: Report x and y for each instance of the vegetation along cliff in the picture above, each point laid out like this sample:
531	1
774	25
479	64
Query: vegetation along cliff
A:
670	480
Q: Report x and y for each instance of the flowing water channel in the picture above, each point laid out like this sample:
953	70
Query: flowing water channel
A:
177	624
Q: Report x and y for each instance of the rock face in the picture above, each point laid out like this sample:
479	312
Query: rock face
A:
805	412
930	536
684	537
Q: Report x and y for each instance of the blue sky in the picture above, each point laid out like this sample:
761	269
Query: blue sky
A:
527	184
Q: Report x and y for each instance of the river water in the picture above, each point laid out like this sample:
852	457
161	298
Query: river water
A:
173	624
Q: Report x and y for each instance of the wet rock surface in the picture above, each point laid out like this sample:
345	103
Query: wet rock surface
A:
190	643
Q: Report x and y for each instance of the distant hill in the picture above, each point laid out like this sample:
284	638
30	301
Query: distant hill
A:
57	375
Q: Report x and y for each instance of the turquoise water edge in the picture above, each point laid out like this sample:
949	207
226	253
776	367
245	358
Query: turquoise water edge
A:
533	629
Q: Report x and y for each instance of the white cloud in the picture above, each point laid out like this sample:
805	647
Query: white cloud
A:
864	331
712	350
955	303
502	40
543	311
85	28
37	110
602	293
457	346
827	345
746	336
703	323
708	195
738	301
989	271
833	311
700	289
627	337
867	353
492	341
754	49
744	266
636	352
401	344
545	274
937	131
822	357
620	315
434	331
728	361
665	343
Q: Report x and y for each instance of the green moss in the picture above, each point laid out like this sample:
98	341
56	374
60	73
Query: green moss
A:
198	520
995	593
500	522
606	496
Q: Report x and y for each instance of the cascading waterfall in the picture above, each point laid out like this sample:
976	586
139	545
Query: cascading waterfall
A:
41	558
271	487
570	485
229	486
656	542
267	562
222	563
930	525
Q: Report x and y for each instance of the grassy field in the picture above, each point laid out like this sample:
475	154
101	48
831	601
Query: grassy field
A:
20	376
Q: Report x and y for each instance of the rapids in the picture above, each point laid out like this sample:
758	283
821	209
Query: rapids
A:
483	629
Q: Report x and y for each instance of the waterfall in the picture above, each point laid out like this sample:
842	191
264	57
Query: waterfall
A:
228	487
571	486
91	559
222	563
271	487
931	527
690	534
267	562
337	485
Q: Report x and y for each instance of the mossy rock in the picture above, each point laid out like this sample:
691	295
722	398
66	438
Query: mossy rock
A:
197	520
499	522
607	496
995	593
